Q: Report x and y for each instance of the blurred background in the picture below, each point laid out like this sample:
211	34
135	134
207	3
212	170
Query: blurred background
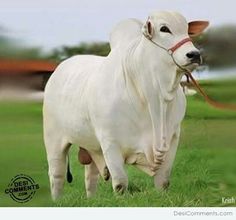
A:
40	35
37	35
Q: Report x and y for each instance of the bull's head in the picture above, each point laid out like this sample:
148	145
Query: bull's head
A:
171	32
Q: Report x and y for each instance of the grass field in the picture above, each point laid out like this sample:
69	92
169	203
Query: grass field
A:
203	173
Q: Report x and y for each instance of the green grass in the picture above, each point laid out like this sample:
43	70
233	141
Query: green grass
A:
203	173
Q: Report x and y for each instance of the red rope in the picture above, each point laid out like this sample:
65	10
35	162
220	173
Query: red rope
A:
208	99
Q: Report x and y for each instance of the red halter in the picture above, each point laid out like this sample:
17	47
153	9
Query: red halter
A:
174	48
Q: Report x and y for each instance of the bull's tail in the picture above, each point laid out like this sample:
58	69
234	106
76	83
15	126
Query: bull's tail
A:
69	176
84	158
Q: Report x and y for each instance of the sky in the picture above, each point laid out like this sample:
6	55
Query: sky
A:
53	23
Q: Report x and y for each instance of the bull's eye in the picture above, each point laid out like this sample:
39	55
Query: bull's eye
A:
165	29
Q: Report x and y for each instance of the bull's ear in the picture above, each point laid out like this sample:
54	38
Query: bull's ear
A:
147	29
195	28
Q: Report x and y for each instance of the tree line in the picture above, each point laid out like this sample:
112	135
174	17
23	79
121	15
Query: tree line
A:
218	47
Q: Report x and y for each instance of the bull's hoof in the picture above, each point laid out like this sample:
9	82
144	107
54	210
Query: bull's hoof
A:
84	156
106	174
162	185
120	188
166	185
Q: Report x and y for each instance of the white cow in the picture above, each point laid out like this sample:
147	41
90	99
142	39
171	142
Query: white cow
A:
123	108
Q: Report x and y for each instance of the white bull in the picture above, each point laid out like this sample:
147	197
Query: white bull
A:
123	108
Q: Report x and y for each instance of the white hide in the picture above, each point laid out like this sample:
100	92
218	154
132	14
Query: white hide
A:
124	32
126	107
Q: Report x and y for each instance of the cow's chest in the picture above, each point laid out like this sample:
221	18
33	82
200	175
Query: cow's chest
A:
132	128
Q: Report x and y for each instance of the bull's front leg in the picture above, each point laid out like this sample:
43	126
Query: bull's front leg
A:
158	113
115	164
161	179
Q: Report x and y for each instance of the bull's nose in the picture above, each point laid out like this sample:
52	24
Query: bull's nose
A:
194	57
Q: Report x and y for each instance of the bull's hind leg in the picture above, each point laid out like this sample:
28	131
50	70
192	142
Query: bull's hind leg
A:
91	178
85	159
98	158
57	150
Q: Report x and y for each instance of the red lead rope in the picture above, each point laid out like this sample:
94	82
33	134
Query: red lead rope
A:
209	100
196	84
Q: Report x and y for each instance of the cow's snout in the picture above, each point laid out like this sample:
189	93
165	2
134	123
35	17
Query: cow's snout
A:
194	56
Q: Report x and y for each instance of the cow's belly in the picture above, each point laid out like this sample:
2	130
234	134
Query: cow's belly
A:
133	134
78	129
84	137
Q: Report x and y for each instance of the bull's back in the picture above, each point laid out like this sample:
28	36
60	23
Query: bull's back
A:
65	98
71	72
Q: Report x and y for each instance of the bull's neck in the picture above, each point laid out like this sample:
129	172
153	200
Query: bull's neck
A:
152	70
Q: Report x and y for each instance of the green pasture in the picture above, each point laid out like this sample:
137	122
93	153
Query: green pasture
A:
203	173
